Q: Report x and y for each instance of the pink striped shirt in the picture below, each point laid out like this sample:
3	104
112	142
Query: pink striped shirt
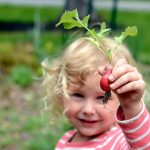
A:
127	135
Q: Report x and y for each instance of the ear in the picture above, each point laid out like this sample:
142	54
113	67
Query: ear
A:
65	112
66	107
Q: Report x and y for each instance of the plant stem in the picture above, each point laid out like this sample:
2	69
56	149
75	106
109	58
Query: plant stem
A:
95	37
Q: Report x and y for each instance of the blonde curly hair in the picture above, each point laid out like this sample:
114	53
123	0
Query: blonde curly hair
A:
78	60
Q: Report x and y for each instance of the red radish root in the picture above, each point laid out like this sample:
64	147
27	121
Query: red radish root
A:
104	82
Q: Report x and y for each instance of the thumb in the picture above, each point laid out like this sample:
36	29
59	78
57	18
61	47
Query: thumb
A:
102	69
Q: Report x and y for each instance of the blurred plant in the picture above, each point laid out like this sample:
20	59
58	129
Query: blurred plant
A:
37	34
21	75
12	54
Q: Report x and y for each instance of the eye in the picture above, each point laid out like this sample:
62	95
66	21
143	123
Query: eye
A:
100	97
79	95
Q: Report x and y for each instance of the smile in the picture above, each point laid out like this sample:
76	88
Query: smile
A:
88	121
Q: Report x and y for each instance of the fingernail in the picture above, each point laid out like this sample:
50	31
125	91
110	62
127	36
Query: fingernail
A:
112	86
110	77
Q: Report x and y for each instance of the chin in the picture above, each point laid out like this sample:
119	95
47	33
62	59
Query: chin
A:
90	133
93	132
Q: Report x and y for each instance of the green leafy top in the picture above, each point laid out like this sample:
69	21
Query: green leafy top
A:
132	31
70	19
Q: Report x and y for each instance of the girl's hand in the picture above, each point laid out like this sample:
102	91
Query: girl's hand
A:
128	85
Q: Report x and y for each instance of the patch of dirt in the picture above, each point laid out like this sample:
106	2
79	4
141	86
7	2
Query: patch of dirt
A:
13	96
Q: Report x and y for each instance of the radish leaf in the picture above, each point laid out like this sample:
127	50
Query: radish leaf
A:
70	19
129	31
103	30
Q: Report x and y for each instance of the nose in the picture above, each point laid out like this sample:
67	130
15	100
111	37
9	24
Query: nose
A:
88	108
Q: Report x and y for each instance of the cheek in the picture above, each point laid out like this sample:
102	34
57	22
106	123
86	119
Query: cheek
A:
114	102
70	108
110	121
109	116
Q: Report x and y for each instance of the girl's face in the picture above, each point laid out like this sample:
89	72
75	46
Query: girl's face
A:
85	110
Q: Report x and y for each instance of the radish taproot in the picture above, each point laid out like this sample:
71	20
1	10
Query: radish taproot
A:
105	84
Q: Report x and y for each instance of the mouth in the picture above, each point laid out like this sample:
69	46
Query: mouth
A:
88	123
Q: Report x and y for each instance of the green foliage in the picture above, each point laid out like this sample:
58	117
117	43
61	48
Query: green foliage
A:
27	14
39	134
103	30
70	19
17	48
132	31
21	75
27	132
138	45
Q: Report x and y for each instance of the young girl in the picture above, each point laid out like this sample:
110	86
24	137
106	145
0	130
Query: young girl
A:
72	83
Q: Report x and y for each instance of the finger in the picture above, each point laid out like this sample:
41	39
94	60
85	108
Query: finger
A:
101	70
120	71
124	79
119	63
138	85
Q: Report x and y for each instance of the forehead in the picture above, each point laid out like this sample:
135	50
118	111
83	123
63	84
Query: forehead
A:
90	83
92	80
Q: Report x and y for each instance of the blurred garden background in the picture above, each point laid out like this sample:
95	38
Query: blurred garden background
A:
27	36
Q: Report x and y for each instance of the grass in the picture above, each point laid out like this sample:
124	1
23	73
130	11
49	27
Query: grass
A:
27	14
23	125
21	131
19	48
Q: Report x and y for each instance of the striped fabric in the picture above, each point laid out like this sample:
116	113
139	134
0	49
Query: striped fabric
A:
133	134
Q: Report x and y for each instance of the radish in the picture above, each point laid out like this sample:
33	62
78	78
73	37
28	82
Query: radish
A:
105	84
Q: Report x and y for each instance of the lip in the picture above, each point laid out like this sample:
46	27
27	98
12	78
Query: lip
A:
88	123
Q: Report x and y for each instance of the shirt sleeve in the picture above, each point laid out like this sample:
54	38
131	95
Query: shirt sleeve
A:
136	130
